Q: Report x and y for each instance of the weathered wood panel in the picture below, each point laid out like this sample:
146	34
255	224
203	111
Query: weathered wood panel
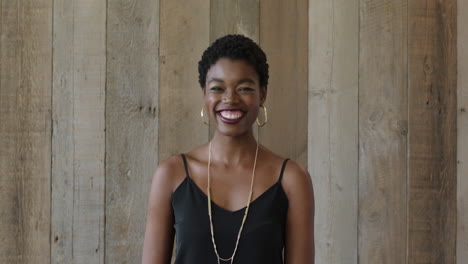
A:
333	127
25	130
383	129
78	123
131	124
462	134
234	17
185	28
432	131
284	38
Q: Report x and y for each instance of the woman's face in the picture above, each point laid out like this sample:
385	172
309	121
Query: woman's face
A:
233	96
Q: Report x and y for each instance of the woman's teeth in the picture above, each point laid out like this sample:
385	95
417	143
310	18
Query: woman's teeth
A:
231	114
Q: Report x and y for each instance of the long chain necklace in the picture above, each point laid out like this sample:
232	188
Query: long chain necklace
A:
246	209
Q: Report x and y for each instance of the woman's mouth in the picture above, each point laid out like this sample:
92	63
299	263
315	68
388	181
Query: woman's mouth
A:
230	116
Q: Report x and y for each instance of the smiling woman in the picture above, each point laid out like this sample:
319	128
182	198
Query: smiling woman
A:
233	95
232	199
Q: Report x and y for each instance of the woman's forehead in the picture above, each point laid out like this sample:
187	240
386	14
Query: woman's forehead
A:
229	69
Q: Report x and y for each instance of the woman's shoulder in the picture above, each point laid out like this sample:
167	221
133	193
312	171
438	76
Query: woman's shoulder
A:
170	164
172	168
197	153
293	169
171	171
296	181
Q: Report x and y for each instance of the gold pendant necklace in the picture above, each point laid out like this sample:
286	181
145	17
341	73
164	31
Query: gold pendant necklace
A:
246	209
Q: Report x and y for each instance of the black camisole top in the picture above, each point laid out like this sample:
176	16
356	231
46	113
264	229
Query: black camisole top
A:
262	238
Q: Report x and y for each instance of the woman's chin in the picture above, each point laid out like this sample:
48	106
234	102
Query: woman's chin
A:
232	131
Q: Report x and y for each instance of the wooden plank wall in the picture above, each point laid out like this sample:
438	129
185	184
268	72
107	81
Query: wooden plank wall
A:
131	123
462	134
432	131
333	127
284	38
78	140
382	125
234	17
184	36
407	144
362	92
25	130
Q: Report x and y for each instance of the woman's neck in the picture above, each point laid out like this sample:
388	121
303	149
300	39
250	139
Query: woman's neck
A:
233	151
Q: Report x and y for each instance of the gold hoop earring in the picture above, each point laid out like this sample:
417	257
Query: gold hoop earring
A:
203	119
266	117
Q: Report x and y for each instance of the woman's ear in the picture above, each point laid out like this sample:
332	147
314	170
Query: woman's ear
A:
263	94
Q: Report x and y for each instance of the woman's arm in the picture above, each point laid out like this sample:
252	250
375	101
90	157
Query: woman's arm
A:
159	232
300	248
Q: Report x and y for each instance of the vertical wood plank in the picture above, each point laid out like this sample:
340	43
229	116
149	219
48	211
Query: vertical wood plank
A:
25	130
432	131
462	134
184	36
284	38
79	139
333	127
234	17
383	125
131	124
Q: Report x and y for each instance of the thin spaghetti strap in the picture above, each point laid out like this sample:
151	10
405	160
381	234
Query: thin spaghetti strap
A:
282	169
185	164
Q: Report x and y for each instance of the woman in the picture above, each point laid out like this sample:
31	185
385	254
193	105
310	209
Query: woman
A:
260	201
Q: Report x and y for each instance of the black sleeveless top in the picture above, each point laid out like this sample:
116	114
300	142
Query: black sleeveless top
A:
262	238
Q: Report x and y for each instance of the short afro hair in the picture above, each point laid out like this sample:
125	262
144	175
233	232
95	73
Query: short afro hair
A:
234	47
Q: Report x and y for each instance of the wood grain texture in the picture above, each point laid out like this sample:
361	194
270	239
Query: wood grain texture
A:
432	132
25	130
383	129
78	141
234	17
131	124
333	127
284	38
184	36
462	134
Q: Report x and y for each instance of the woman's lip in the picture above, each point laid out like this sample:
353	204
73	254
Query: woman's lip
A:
229	121
237	109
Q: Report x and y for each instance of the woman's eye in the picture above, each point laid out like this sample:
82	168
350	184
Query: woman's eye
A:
246	89
216	88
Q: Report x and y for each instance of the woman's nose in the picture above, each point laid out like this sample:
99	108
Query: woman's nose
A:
230	96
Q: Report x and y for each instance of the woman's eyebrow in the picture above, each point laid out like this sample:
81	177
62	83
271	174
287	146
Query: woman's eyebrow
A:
215	80
246	80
